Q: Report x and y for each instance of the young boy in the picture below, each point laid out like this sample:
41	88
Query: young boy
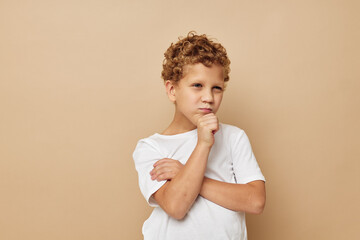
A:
200	175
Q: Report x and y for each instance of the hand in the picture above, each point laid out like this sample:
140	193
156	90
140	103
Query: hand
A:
165	169
207	126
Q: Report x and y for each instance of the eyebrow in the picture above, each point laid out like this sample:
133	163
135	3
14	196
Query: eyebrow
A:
202	81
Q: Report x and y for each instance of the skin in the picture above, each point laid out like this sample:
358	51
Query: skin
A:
197	98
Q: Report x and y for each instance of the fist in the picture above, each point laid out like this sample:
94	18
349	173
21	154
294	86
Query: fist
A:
207	126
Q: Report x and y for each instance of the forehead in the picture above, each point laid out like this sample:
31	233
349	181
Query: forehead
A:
199	72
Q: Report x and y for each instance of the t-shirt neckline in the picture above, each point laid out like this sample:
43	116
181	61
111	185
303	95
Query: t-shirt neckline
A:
184	134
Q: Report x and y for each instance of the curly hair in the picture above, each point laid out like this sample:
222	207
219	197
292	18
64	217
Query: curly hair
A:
191	50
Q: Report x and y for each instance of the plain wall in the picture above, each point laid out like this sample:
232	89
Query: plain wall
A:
80	85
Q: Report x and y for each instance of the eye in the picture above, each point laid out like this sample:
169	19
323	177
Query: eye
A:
197	85
218	88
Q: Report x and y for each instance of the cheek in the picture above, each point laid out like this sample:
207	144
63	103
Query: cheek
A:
219	97
218	100
194	99
190	99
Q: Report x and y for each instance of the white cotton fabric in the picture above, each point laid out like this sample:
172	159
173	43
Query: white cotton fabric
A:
231	160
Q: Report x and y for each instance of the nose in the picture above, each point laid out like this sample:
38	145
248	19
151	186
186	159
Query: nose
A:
207	96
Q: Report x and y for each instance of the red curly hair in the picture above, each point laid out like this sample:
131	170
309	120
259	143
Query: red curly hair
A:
191	50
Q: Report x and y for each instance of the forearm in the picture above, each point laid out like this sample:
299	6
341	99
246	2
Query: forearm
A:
178	195
248	198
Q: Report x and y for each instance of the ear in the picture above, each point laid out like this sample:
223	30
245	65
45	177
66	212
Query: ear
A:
170	90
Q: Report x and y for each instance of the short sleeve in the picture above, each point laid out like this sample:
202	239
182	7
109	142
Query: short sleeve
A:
145	155
245	166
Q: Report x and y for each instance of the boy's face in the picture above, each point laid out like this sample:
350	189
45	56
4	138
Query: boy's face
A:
198	93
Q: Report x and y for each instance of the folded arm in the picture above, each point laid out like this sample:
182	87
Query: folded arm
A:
176	197
248	197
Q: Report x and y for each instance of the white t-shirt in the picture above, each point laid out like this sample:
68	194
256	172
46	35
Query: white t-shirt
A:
230	160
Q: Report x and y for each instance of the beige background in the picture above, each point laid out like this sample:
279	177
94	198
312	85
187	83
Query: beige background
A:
80	84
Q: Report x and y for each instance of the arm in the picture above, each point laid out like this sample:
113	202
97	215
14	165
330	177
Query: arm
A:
176	197
248	197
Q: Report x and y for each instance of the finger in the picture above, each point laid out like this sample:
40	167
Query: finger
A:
209	120
158	171
164	164
209	115
211	125
166	167
161	161
204	117
165	176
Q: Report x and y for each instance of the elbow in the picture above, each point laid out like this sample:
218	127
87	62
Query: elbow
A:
258	206
258	209
177	213
175	207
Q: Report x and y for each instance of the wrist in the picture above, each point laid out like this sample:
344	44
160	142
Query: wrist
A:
204	145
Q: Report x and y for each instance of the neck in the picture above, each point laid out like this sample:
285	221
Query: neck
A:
179	124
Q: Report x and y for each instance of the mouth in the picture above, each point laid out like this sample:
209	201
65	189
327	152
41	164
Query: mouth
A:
206	110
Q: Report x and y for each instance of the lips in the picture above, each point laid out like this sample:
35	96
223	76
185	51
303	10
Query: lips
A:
206	110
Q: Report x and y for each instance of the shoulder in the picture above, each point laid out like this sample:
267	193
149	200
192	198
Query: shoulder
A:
146	153
148	143
230	135
233	135
231	130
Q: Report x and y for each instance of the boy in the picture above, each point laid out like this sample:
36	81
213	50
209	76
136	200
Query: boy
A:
200	175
